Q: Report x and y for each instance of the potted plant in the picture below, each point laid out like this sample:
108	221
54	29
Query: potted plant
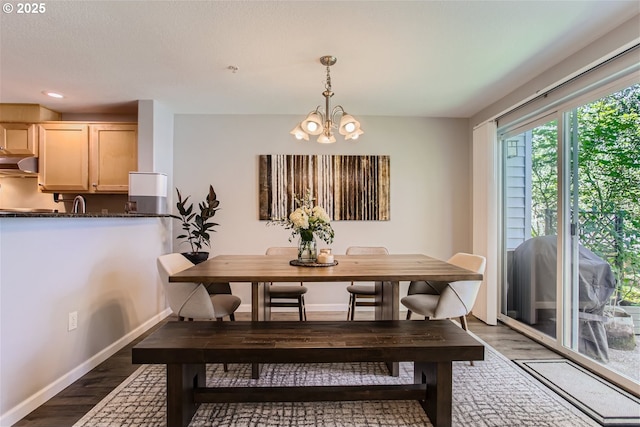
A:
196	225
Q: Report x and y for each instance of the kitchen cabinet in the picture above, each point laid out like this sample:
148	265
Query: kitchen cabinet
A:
18	138
86	157
113	153
63	163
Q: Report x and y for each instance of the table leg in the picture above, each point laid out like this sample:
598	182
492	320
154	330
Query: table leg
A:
258	306
258	313
438	376
181	380
388	299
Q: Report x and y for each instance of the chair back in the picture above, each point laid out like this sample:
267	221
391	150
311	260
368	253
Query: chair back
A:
283	250
367	250
185	299
291	251
457	298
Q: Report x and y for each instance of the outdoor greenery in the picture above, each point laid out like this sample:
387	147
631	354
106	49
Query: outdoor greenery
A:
608	168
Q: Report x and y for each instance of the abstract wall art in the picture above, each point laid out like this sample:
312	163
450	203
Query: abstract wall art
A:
347	187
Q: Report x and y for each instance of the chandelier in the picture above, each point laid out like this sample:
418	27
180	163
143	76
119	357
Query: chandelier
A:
322	121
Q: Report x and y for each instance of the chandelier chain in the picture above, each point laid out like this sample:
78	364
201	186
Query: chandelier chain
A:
327	84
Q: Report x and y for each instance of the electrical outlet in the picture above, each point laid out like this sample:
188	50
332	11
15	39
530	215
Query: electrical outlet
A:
73	320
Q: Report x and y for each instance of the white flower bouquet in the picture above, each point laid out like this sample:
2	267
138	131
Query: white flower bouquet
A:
308	220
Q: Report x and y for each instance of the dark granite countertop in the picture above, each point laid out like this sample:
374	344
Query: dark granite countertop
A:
11	214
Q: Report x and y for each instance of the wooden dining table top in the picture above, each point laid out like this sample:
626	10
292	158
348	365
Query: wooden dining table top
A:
276	268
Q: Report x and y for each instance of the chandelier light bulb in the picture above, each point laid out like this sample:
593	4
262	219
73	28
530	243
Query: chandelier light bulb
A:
354	135
299	133
312	126
326	139
350	127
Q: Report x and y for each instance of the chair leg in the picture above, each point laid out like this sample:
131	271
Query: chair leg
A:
353	306
349	307
463	323
232	317
408	314
224	365
300	308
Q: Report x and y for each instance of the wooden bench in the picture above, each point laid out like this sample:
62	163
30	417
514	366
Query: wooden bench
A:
185	347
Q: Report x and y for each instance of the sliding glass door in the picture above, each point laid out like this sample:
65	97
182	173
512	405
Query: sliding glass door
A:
603	141
530	215
571	232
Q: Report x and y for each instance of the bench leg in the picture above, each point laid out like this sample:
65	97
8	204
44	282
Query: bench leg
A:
181	380
438	400
255	371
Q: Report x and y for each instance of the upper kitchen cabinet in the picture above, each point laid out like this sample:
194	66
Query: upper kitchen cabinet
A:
18	138
113	153
64	157
18	131
87	158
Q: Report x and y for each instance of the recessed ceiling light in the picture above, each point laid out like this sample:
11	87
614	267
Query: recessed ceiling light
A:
53	94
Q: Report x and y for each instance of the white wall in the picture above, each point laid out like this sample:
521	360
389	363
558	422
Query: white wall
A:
430	176
103	268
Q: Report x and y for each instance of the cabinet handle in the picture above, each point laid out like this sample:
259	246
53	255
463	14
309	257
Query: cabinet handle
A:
94	185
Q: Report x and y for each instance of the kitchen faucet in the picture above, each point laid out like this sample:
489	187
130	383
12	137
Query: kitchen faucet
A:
79	204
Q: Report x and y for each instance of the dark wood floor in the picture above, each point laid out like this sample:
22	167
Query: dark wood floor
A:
67	407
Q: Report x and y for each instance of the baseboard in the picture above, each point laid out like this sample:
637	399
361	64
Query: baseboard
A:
25	407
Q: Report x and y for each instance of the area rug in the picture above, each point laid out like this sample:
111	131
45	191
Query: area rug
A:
493	392
603	401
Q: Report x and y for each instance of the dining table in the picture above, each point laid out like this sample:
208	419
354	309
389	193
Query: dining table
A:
386	271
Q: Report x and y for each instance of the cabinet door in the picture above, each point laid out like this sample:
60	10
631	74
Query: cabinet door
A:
18	138
113	154
64	157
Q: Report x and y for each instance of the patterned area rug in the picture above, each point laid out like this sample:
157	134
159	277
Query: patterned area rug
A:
494	392
604	402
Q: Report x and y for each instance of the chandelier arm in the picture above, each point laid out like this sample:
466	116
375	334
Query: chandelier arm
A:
337	109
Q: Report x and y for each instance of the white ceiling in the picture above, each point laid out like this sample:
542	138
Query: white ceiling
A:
406	58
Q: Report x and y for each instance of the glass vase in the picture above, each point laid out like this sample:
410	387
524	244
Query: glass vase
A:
307	250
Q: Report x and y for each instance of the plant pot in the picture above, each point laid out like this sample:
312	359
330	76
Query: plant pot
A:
196	257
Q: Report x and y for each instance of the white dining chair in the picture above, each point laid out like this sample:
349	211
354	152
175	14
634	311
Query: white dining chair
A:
192	301
362	294
440	300
287	295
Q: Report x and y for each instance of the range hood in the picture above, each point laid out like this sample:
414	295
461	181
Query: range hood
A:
18	165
